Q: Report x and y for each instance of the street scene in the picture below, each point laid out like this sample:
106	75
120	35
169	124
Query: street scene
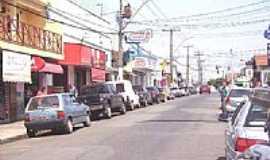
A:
134	79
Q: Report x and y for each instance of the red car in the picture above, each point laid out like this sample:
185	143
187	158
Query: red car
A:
205	89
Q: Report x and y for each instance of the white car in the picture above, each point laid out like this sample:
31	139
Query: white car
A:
246	128
235	97
176	91
125	89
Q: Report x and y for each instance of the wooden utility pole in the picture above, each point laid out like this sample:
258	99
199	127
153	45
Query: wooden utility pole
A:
187	64
171	49
120	42
200	67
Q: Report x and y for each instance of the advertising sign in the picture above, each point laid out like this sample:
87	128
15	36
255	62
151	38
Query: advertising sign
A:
16	67
261	60
139	36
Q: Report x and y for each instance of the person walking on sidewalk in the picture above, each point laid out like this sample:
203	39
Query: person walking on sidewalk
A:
42	91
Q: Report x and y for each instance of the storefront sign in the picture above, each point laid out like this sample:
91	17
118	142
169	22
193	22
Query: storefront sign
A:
261	60
16	67
97	74
98	59
139	36
140	62
76	54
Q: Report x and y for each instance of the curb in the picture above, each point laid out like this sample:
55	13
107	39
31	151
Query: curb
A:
12	139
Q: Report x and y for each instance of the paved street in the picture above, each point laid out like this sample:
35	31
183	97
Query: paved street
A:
183	129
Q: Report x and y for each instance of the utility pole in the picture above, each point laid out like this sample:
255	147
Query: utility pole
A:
101	15
120	41
187	64
200	67
171	49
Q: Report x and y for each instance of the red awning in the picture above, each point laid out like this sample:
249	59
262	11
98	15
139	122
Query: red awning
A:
52	68
39	65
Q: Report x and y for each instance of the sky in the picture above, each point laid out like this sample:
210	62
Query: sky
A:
212	40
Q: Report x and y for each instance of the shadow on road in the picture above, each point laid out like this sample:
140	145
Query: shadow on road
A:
180	121
221	158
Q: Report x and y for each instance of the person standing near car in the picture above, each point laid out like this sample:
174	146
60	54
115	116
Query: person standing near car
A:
73	90
223	94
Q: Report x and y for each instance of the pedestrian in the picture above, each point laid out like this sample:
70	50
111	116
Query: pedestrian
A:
73	90
42	91
224	90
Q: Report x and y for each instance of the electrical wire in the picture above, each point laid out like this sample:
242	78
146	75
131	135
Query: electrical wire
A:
53	20
88	11
80	18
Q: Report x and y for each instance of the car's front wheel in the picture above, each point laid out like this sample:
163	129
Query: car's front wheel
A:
123	109
108	112
87	122
31	133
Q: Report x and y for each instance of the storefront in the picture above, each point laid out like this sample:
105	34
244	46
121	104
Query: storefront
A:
16	72
77	64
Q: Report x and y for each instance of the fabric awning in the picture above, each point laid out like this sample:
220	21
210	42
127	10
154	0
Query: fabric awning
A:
52	68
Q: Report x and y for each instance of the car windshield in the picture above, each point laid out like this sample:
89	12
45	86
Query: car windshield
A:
257	114
43	102
138	88
91	89
239	93
150	88
120	88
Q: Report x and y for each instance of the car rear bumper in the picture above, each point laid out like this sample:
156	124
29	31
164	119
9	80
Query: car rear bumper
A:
44	125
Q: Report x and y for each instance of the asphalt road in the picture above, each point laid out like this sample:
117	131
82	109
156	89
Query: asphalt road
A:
183	129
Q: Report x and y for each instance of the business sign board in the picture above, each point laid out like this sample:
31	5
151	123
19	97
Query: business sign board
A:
16	67
139	36
261	60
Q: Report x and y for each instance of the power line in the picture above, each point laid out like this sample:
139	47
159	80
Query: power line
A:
81	24
80	18
52	19
216	12
159	9
88	11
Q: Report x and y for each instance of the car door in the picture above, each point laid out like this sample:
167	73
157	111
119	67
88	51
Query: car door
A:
230	132
72	109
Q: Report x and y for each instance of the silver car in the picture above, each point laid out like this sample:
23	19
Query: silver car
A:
256	152
57	112
246	126
235	97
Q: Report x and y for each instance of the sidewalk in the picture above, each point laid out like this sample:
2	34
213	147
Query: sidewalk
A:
11	132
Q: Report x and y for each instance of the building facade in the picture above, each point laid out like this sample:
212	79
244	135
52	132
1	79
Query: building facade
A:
30	46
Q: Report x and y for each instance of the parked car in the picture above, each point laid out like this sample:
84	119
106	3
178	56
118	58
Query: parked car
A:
176	91
154	93
165	94
192	90
144	96
102	99
183	91
162	95
246	127
56	112
235	97
124	88
205	89
256	152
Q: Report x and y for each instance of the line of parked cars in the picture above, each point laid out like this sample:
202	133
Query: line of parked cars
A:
62	111
246	136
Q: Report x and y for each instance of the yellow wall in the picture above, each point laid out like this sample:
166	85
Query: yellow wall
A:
38	7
